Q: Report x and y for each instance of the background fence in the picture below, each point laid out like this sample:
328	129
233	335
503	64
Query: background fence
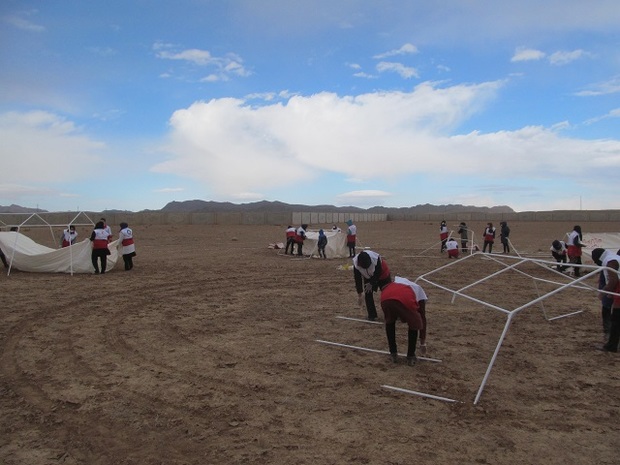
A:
296	218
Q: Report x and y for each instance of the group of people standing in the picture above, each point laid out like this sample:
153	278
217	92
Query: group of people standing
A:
295	237
101	237
488	236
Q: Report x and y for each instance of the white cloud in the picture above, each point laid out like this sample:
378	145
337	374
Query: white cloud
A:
563	58
404	71
406	49
365	198
611	86
226	66
39	146
237	150
527	54
167	190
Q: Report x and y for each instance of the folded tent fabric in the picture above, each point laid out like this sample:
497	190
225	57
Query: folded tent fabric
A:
24	254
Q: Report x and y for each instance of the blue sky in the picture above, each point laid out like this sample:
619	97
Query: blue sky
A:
133	104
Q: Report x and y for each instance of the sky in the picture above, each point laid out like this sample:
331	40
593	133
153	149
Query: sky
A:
132	104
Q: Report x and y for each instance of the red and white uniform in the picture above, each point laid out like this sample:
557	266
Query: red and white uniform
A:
125	237
561	250
443	232
101	238
489	234
300	235
369	272
406	295
573	244
290	233
351	233
453	249
68	237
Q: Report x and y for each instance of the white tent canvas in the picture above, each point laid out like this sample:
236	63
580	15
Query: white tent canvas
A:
24	254
336	244
609	241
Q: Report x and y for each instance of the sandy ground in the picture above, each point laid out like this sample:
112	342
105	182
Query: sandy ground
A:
208	352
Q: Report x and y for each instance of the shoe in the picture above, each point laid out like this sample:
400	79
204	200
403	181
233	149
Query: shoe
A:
606	348
372	318
394	358
411	361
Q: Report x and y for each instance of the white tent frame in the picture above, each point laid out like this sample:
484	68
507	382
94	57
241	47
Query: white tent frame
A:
27	222
511	314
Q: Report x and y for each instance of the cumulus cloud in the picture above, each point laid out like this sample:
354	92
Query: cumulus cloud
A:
527	54
236	149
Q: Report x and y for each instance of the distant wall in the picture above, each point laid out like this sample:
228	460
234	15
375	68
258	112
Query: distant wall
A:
284	218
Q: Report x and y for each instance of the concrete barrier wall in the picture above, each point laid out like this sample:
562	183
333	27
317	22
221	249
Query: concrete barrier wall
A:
296	218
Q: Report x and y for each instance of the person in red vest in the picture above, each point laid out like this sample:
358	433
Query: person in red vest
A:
609	259
351	238
453	248
127	245
443	235
404	300
370	272
100	237
300	237
290	239
69	236
489	238
574	246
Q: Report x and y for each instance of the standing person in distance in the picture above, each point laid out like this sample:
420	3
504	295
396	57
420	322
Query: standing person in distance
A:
100	238
126	245
107	228
69	236
443	235
463	233
489	238
608	259
321	244
559	252
404	300
574	246
504	232
351	238
290	239
370	272
300	237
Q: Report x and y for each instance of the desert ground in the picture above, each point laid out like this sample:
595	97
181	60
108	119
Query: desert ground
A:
209	352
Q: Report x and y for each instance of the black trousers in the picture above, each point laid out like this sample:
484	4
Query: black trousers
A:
614	331
128	259
290	242
102	256
412	339
560	258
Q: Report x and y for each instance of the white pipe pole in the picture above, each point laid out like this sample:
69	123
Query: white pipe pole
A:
372	350
490	367
422	394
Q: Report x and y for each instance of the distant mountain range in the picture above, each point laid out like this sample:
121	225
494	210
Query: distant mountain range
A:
203	206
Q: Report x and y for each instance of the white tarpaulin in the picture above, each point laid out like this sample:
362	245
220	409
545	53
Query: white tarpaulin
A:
336	244
24	254
608	241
